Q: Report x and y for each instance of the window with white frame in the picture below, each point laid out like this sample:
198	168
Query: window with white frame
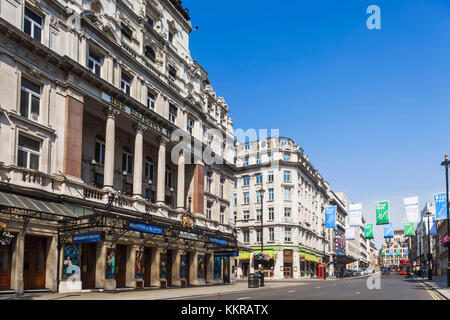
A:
247	146
33	24
287	194
271	214
271	234
283	143
100	150
209	209
245	161
258	195
246	197
125	83
190	125
209	182
246	215
271	194
235	182
151	101
30	99
258	235
259	178
172	113
287	176
286	156
287	234
126	31
222	187
246	180
95	63
246	235
258	214
127	162
29	153
270	176
287	212
222	214
171	36
149	169
235	198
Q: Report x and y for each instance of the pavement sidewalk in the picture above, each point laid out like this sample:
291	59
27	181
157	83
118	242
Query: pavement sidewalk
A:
438	283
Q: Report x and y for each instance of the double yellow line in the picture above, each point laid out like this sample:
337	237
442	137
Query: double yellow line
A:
432	294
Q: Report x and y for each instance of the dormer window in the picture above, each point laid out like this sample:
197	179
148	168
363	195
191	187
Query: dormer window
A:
126	31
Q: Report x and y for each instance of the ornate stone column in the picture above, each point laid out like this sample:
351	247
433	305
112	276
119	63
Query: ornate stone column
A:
19	254
180	181
138	158
161	185
111	114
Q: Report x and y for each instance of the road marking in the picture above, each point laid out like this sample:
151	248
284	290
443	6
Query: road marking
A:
317	287
358	292
243	298
292	291
432	294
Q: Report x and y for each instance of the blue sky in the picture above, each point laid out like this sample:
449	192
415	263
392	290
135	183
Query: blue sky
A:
367	106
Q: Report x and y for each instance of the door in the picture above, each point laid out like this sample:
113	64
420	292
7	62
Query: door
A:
5	267
147	266
88	263
34	263
121	262
245	269
169	268
188	268
287	270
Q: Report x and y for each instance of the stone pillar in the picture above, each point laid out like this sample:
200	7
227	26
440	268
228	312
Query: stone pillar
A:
193	270
180	181
19	254
251	264
279	260
130	274
155	265
51	264
296	264
161	179
176	262
209	267
82	55
73	138
100	266
138	158
111	114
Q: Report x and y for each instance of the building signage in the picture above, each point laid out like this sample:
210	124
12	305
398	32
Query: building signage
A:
219	241
188	235
339	233
412	209
383	212
355	215
440	205
368	231
409	229
330	217
89	237
226	254
145	228
389	230
350	233
116	103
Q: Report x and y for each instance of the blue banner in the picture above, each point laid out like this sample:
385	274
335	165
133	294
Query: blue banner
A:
330	217
405	252
89	237
440	204
389	230
433	228
391	254
145	228
219	241
226	254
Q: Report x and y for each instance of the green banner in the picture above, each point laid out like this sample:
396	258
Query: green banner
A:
368	231
383	212
398	253
383	253
409	229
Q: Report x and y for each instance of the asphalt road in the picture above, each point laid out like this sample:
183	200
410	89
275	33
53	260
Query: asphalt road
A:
392	287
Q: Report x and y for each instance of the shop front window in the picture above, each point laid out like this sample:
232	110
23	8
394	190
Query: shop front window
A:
217	268
183	267
163	266
201	267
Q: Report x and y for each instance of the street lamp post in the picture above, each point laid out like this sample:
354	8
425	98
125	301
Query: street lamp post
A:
446	163
430	276
261	192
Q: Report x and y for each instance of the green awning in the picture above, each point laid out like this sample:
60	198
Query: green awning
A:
11	200
244	255
312	258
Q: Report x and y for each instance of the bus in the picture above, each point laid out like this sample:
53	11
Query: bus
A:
405	266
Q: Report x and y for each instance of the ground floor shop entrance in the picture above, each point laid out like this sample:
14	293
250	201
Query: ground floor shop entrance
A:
147	267
5	267
288	258
121	262
34	259
88	263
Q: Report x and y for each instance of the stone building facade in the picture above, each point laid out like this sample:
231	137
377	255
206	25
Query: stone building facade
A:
294	238
105	121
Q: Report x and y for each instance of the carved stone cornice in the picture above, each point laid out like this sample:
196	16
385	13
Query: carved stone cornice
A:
111	112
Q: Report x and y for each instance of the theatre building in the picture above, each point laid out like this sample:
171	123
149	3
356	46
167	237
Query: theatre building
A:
107	131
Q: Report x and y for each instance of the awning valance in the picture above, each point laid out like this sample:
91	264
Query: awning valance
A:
244	255
312	258
11	200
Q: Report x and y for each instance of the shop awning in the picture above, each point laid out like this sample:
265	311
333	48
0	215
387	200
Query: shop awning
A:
244	255
11	200
312	258
269	253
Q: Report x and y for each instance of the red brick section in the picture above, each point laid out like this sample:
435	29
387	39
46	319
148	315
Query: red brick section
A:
74	137
199	189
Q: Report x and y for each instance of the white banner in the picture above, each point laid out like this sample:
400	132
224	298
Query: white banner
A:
349	233
355	215
412	209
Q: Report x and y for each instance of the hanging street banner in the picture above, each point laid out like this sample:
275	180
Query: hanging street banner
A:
383	253
350	233
355	215
391	254
432	227
412	209
330	217
440	205
389	230
405	252
368	231
409	229
382	212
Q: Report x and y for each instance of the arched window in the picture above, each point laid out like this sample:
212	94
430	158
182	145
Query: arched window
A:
149	169
168	177
150	53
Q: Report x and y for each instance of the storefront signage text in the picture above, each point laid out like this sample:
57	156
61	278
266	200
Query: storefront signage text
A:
188	235
145	228
89	237
219	241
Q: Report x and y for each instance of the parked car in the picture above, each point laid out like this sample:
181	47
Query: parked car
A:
363	272
348	273
370	271
386	271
